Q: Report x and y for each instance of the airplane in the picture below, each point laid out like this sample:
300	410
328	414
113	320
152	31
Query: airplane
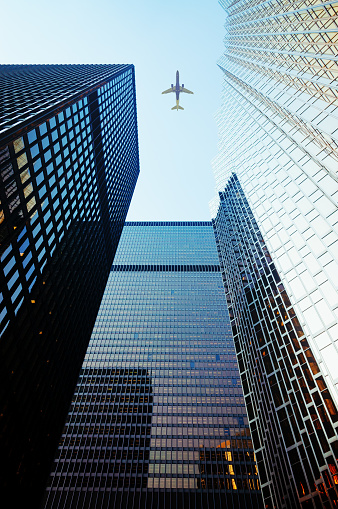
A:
177	89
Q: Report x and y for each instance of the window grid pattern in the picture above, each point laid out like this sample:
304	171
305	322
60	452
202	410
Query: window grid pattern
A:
66	185
278	134
293	418
29	91
49	181
158	418
41	182
280	100
173	243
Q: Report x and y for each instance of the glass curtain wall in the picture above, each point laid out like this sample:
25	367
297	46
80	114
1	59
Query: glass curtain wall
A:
158	418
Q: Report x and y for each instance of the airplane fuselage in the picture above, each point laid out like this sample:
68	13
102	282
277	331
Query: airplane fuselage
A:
177	85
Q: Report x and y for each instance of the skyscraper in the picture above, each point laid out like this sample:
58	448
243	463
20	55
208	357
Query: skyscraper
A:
157	419
276	224
68	168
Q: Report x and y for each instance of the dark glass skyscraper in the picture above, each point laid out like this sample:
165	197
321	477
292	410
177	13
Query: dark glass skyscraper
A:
157	419
68	168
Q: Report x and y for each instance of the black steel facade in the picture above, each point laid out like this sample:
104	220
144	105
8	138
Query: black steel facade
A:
68	167
293	419
157	419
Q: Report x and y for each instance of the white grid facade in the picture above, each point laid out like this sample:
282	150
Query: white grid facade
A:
278	128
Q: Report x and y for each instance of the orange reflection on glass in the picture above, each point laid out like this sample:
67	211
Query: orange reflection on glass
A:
228	455
334	472
224	445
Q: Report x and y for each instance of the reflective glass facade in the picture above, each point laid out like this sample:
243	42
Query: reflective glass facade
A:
158	418
68	168
278	135
293	417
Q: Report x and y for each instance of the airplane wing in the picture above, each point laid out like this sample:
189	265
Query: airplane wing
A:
169	90
186	90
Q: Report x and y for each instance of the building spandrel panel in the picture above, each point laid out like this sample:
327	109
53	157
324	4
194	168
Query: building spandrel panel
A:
158	418
63	202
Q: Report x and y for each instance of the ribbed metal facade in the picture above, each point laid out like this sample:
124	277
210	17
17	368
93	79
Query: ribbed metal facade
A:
68	168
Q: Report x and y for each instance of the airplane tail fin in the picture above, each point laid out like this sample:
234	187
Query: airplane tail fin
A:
178	107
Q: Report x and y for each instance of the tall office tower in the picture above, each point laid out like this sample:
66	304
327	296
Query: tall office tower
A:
68	167
277	232
157	418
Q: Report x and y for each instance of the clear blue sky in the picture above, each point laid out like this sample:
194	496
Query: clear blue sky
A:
158	37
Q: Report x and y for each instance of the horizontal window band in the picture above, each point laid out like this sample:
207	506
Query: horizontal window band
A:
165	268
168	223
